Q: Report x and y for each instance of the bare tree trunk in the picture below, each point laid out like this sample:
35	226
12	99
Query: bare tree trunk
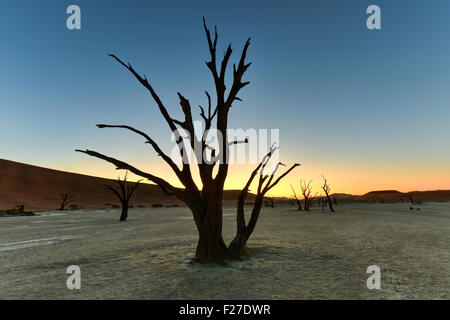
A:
329	202
210	245
326	189
306	205
124	214
297	200
244	231
239	244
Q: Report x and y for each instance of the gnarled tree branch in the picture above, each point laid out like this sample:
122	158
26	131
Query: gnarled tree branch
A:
166	187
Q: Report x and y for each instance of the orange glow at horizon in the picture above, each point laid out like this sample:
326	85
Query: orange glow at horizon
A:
342	178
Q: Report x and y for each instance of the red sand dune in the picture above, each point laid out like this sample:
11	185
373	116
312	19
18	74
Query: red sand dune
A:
40	189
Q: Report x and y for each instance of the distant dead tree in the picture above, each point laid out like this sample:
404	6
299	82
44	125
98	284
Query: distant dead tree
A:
326	189
296	199
66	198
124	191
379	200
205	202
306	191
265	184
20	208
269	201
411	199
323	202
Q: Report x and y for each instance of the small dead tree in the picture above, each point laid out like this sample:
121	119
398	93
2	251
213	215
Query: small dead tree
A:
306	191
297	200
124	192
379	200
323	202
265	184
326	189
66	198
269	201
411	199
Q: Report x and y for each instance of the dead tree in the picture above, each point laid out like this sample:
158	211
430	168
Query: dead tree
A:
269	201
379	200
323	202
66	198
306	191
265	184
124	192
411	199
326	189
205	202
297	200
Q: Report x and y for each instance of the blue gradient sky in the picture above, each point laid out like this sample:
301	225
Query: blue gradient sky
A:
370	109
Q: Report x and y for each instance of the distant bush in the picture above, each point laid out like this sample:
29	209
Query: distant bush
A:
157	205
115	206
131	206
73	207
140	206
19	210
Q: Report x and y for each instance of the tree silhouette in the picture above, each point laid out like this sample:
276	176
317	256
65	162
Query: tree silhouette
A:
265	184
323	202
411	199
270	202
297	200
124	192
326	189
306	191
66	198
205	202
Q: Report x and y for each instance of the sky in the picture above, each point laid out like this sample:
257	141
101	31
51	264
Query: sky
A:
369	109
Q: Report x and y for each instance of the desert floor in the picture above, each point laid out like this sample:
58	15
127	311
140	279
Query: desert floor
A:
295	255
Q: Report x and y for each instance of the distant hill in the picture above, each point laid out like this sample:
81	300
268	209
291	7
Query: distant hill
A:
343	196
40	189
394	195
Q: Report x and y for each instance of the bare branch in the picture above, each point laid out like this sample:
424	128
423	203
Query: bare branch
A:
283	175
120	165
108	187
147	85
155	146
